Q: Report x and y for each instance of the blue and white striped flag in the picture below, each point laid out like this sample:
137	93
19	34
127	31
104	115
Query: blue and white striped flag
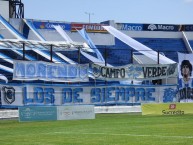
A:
83	33
1	37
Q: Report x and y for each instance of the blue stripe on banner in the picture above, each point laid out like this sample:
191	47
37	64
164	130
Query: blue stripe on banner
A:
5	56
83	33
32	27
27	56
1	37
87	38
7	70
25	31
4	22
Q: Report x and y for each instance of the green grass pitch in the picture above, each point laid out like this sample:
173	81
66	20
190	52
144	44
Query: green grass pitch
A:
106	129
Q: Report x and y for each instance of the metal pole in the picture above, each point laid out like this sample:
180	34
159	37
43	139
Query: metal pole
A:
89	17
105	62
79	55
51	55
89	14
23	51
105	56
131	55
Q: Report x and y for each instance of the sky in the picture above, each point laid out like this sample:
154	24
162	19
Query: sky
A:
121	11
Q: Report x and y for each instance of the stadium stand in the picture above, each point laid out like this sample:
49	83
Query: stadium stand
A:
38	40
115	48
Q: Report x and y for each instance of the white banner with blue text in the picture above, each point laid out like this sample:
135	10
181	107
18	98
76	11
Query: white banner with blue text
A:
78	95
39	70
135	72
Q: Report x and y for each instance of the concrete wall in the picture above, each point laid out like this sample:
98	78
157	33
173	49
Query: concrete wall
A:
10	114
4	9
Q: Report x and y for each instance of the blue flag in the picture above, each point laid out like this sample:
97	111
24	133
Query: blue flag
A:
16	33
1	37
83	33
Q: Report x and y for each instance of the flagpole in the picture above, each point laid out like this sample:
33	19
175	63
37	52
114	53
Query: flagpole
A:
89	14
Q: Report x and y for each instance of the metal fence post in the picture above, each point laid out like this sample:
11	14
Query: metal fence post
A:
158	57
131	55
79	55
51	51
23	50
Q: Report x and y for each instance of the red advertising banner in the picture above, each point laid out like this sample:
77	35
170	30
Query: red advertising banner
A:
95	28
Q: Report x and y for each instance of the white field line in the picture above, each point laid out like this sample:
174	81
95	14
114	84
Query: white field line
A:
118	134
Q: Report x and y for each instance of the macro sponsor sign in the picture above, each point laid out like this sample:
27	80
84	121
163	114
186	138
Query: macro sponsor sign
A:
129	27
61	95
186	28
137	72
167	109
92	27
39	70
49	25
160	27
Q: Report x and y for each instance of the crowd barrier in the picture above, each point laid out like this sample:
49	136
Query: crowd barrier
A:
12	114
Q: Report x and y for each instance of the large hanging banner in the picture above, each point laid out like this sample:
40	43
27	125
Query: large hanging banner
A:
137	72
185	77
185	60
81	95
39	70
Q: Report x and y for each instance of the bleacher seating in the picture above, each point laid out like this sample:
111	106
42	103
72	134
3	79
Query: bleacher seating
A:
168	46
36	56
191	43
115	56
11	54
114	51
74	55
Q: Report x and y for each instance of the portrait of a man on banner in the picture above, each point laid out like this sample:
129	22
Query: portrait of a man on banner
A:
185	77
